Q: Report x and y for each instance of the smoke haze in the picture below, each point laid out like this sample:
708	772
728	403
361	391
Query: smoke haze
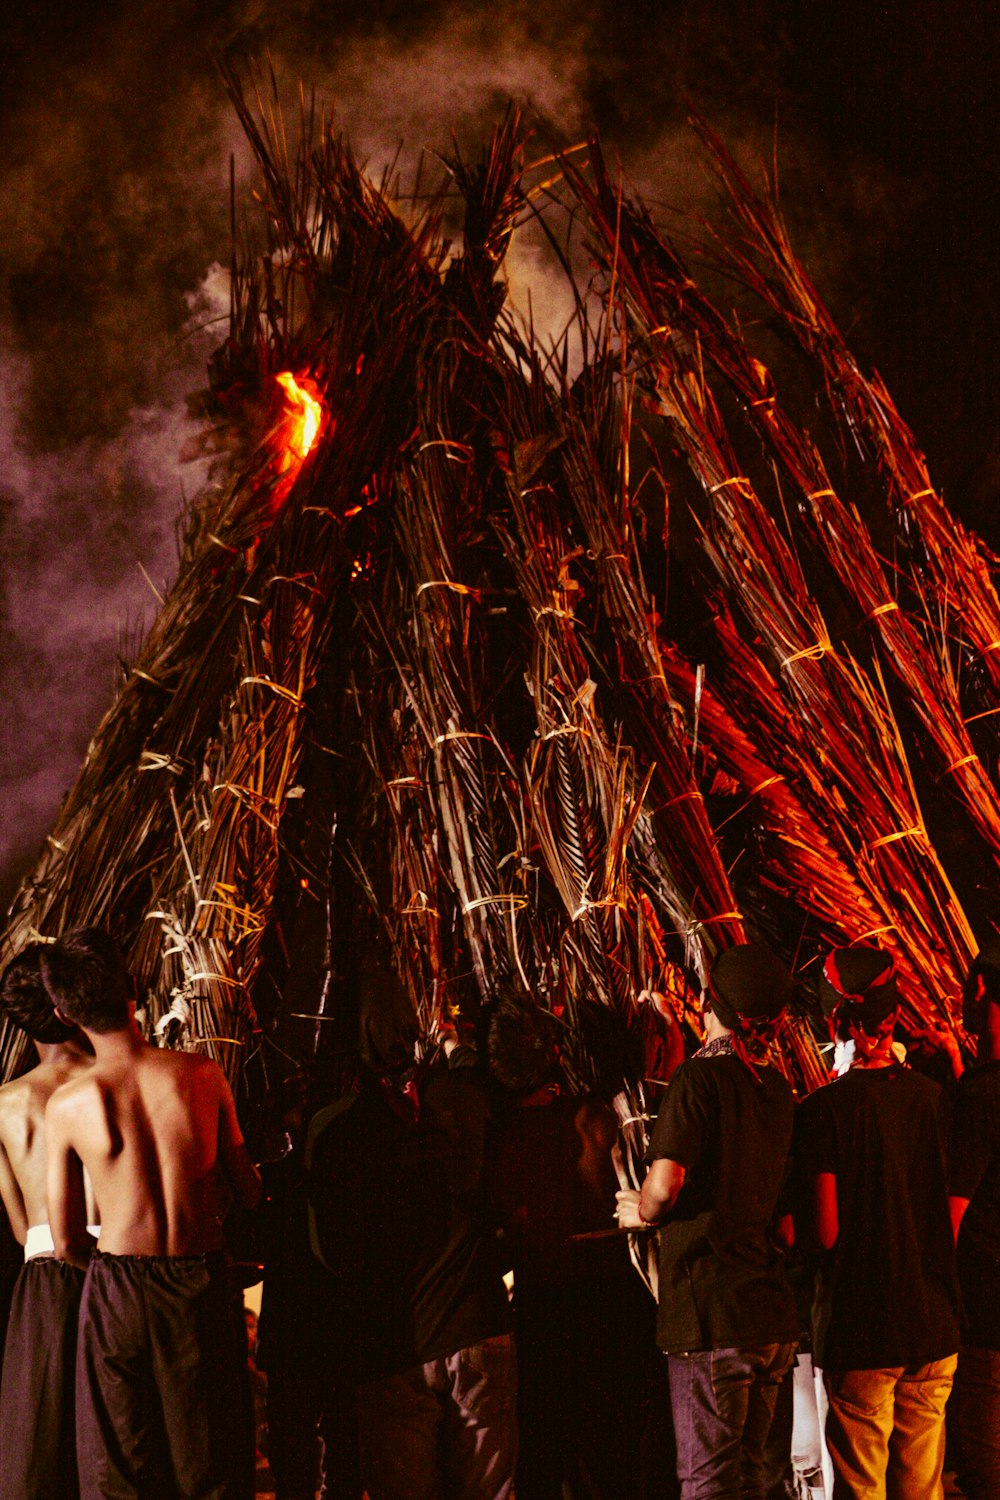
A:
116	138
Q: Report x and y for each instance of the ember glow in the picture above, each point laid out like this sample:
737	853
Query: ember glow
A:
306	416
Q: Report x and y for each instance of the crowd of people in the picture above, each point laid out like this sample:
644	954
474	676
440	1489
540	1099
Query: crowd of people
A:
449	1310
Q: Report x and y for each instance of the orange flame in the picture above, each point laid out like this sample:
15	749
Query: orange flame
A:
306	416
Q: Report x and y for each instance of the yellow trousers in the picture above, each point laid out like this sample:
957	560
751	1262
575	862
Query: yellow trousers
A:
885	1431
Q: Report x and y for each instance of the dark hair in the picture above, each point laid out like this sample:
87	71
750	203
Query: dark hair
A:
522	1045
86	974
388	1026
982	987
26	1000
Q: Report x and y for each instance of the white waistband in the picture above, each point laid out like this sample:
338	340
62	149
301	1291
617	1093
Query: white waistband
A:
38	1240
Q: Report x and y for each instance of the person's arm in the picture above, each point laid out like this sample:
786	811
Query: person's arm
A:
660	1191
234	1158
13	1200
957	1207
973	1145
826	1223
67	1199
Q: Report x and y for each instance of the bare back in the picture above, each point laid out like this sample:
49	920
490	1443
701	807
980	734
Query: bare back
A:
23	1139
148	1126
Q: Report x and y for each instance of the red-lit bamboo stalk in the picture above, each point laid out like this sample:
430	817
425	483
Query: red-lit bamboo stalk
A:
949	560
669	311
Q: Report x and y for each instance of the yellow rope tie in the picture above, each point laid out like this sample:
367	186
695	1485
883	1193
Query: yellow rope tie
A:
963	760
153	760
683	797
282	692
445	583
739	480
808	653
723	916
516	902
460	734
419	911
881	609
449	443
586	906
917	495
822	495
553	734
770	781
890	838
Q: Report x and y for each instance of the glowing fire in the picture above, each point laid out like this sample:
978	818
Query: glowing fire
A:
305	413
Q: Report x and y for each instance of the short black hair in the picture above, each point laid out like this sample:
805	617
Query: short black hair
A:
88	979
388	1026
982	987
523	1046
26	1000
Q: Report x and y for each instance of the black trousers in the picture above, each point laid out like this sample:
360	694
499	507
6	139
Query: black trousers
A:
163	1397
37	1430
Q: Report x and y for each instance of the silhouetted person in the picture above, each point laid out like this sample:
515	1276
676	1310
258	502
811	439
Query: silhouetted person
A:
870	1150
718	1158
396	1183
584	1321
974	1410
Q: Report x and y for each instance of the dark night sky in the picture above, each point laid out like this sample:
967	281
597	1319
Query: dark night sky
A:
115	137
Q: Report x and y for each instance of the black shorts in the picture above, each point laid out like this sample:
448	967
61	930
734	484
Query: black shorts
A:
37	1431
162	1390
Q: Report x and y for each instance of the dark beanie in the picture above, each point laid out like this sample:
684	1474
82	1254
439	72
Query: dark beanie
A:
749	983
862	978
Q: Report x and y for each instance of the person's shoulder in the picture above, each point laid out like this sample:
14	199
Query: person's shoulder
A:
14	1094
917	1084
189	1065
812	1109
66	1102
980	1084
776	1081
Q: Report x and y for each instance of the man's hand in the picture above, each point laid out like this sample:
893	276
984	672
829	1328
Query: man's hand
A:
627	1212
936	1036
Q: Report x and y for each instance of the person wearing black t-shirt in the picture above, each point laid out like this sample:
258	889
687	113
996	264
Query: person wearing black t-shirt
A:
398	1215
870	1152
974	1413
718	1158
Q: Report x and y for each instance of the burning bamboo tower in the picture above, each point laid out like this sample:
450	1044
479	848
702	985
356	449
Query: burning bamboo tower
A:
416	692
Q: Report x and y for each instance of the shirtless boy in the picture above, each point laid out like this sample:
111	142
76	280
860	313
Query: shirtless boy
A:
37	1432
160	1365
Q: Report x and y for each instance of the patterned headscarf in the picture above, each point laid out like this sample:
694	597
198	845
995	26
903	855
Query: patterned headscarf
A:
859	987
